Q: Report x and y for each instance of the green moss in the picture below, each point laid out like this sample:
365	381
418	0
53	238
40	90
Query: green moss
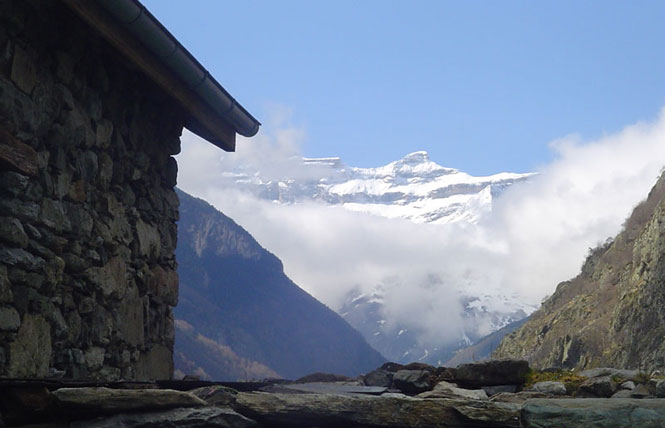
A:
567	377
642	377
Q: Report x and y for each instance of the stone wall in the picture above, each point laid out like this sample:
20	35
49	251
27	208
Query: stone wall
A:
87	204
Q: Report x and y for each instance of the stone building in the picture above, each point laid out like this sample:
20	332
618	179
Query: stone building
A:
93	98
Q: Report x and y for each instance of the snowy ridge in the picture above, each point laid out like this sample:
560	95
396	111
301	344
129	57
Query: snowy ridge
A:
413	188
485	312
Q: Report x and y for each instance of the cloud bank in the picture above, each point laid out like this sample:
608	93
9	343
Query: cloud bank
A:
536	236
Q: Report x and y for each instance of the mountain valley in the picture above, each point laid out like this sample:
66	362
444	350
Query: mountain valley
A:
240	317
414	189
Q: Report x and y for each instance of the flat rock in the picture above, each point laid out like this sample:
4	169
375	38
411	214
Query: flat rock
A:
660	388
391	367
609	371
593	412
335	388
105	400
388	410
518	397
640	391
624	393
495	372
215	395
602	386
497	389
629	384
412	381
420	366
279	389
213	417
549	387
378	377
445	389
323	377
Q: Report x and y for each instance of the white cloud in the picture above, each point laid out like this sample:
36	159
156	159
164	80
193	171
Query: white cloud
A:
536	237
579	200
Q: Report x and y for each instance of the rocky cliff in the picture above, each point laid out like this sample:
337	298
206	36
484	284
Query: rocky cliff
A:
613	312
240	317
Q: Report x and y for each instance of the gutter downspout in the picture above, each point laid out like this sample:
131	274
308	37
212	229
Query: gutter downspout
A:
157	39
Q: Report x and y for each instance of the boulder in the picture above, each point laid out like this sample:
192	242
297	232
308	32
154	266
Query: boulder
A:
629	385
602	386
497	389
518	397
419	366
660	388
343	388
609	371
640	391
213	417
412	381
216	395
99	400
549	387
391	367
495	372
387	410
323	377
593	412
445	389
378	377
624	393
446	373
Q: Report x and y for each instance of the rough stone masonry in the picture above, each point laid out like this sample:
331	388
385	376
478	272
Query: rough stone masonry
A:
87	204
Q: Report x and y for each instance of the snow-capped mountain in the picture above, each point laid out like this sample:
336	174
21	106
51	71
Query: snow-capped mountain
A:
413	188
484	312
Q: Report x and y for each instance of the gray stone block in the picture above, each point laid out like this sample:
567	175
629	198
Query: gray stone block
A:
10	320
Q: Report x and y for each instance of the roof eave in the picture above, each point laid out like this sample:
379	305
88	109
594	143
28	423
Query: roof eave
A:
127	25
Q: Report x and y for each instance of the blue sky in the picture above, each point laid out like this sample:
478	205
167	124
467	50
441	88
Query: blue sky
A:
482	86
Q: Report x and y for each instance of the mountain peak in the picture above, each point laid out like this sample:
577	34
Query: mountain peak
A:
413	188
416	157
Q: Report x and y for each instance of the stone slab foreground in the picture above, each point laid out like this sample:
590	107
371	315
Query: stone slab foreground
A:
397	410
107	401
593	412
387	410
208	417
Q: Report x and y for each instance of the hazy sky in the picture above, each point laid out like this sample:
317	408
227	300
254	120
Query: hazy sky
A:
483	86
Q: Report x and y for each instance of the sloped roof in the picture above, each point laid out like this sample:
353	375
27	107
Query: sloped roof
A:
213	113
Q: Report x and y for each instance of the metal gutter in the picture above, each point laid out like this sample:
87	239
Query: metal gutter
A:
133	16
